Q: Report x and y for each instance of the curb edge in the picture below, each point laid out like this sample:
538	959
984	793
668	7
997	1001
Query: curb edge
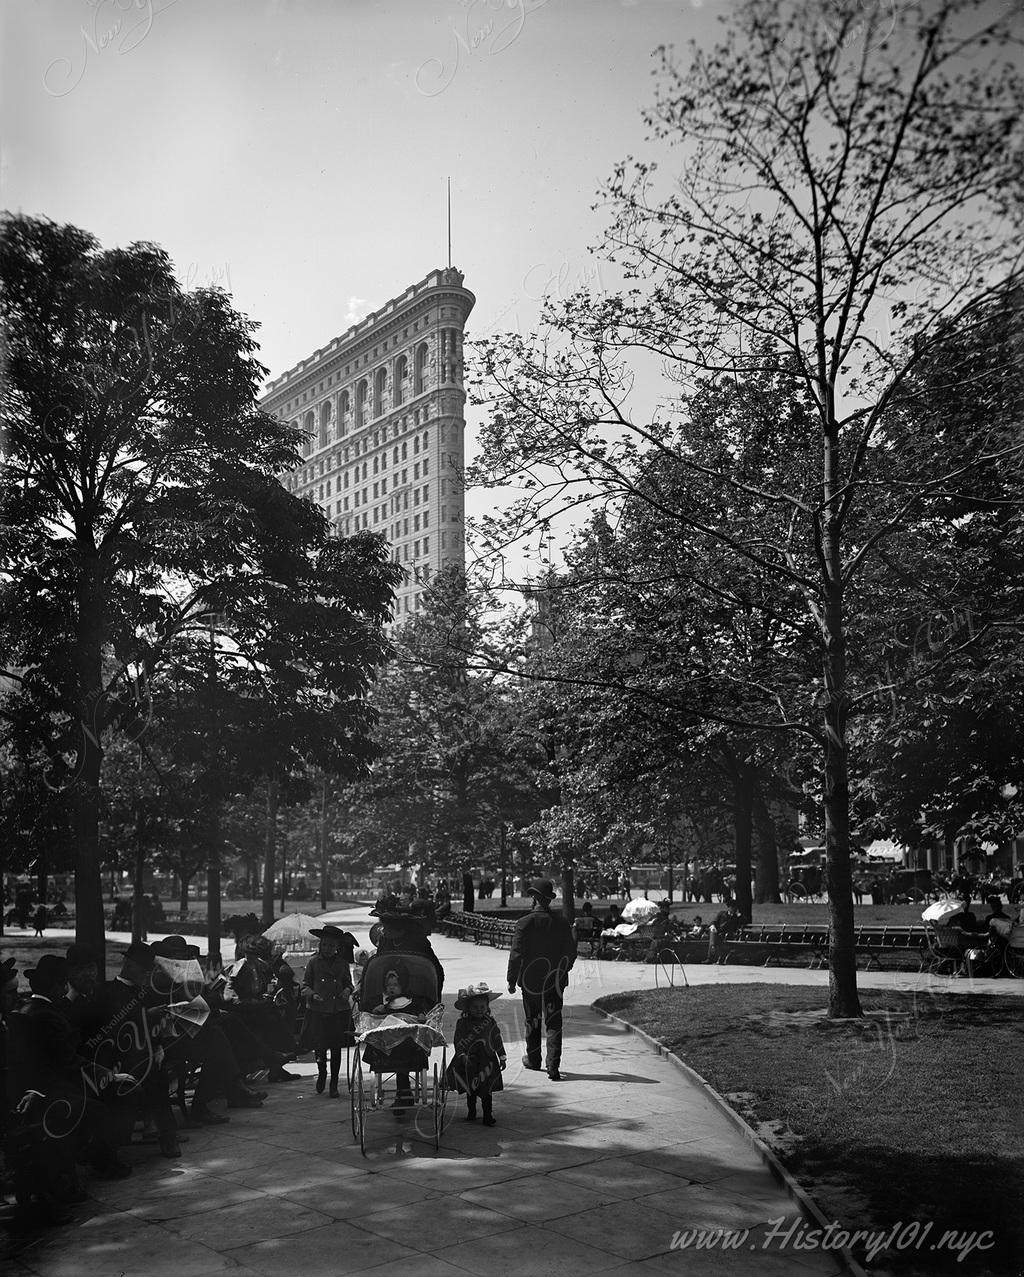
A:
798	1194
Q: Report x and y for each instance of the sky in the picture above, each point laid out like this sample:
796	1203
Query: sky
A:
296	152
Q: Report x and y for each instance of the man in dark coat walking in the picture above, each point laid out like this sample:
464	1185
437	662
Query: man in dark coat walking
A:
543	952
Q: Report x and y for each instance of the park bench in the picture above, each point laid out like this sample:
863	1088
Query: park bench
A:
479	928
773	942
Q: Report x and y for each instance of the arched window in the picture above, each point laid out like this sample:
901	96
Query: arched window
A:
420	377
362	390
325	421
401	372
308	426
344	408
380	383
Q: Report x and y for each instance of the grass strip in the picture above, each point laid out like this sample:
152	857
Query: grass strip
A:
912	1116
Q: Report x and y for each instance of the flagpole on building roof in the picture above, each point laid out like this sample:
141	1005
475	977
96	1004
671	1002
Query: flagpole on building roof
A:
449	221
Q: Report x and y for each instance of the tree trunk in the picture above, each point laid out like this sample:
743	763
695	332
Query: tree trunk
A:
742	776
270	856
89	921
842	958
138	879
766	882
41	877
183	902
743	823
569	891
213	912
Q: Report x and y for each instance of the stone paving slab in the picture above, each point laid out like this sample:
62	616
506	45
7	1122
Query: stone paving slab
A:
595	1174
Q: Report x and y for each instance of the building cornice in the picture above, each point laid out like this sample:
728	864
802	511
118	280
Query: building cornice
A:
441	285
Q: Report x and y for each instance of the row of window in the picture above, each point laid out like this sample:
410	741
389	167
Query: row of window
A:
400	452
399	501
420	470
370	398
346	525
355	364
401	553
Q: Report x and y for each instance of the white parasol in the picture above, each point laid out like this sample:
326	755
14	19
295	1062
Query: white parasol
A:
942	910
293	928
640	911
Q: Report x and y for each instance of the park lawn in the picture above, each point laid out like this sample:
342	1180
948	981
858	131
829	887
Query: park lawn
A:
916	1117
27	949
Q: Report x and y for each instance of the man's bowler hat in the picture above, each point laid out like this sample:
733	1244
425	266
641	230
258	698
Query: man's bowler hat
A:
48	971
139	953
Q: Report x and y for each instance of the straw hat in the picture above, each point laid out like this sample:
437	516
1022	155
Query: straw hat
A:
471	991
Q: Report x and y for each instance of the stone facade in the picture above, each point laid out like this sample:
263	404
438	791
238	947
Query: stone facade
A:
383	411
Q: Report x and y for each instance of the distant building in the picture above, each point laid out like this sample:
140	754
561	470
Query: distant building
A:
383	410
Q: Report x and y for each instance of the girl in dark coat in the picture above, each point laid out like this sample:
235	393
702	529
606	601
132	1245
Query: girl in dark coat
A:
327	988
475	1070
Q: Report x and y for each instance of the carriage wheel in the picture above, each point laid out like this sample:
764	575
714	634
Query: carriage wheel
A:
437	1110
440	1097
358	1102
915	897
349	1065
1014	961
796	892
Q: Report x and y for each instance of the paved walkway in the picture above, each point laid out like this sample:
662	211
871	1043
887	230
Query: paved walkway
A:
595	1174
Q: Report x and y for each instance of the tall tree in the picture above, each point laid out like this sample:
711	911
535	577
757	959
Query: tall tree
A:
459	752
140	491
845	189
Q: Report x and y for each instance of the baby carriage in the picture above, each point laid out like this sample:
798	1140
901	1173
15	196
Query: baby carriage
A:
397	1024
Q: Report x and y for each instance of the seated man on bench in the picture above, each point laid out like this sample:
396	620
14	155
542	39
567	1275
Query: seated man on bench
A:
728	922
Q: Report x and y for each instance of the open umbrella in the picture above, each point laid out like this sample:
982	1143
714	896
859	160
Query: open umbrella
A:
293	928
941	910
640	911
